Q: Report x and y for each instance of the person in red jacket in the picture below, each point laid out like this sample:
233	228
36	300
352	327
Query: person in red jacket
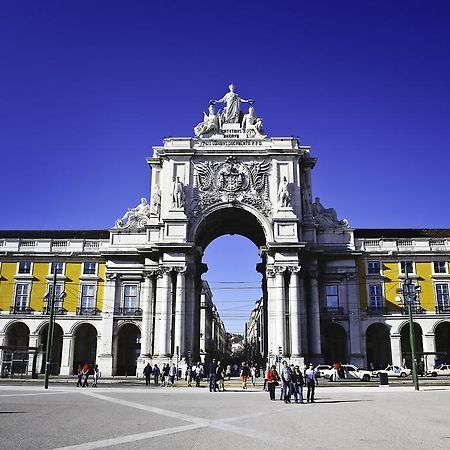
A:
272	381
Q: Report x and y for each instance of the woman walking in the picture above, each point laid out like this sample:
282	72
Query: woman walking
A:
272	381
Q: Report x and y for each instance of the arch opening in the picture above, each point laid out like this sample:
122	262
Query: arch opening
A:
335	344
128	349
56	356
406	345
85	347
442	340
378	346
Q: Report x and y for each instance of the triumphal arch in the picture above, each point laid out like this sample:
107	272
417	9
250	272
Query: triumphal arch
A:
231	177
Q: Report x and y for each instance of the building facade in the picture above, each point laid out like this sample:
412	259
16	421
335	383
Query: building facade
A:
135	293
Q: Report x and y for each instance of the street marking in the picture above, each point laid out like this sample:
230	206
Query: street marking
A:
35	393
132	437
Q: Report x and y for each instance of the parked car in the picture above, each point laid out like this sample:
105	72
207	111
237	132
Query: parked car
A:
351	372
321	368
443	369
393	371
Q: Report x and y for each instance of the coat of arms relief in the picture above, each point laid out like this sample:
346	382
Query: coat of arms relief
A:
232	181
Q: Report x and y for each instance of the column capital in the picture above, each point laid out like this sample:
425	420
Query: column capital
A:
162	270
148	273
294	269
110	276
180	269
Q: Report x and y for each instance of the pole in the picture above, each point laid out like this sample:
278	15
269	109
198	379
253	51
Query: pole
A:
48	351
408	295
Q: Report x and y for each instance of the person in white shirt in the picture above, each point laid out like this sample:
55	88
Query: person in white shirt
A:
310	378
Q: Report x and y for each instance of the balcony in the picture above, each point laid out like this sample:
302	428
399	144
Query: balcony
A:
84	311
130	311
416	309
20	310
376	310
443	309
59	310
333	312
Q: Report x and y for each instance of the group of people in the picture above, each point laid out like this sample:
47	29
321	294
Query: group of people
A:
167	375
83	373
292	381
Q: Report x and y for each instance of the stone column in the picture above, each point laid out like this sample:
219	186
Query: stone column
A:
396	349
67	355
303	319
32	342
163	313
294	313
280	310
115	352
429	345
354	307
147	315
104	349
271	321
180	311
315	345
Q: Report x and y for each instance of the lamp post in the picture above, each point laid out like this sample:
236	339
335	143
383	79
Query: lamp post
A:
409	294
48	352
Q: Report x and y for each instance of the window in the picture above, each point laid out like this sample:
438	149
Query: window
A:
440	266
373	267
87	296
25	267
22	295
332	296
375	296
406	266
442	295
58	267
89	268
130	299
59	296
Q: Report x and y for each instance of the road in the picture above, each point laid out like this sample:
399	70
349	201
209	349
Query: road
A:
137	417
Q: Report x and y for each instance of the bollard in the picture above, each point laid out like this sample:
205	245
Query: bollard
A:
384	380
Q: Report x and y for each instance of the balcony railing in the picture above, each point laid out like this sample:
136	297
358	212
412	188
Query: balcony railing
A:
20	310
333	311
416	309
59	310
130	311
88	311
443	309
376	310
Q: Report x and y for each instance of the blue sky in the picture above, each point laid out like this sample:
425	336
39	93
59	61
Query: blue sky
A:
87	88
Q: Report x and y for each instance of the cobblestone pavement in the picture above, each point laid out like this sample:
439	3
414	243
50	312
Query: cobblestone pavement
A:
135	417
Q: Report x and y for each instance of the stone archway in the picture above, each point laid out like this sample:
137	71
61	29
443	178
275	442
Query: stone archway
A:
335	344
16	359
56	348
17	335
378	346
406	343
442	340
128	349
85	346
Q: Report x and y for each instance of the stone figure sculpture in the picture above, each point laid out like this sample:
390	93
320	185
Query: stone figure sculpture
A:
284	197
156	201
252	123
210	122
233	102
138	216
325	216
178	193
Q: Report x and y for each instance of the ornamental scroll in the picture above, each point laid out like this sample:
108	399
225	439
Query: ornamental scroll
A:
233	181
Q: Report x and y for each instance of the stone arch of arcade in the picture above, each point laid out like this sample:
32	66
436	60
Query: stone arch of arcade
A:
378	345
127	349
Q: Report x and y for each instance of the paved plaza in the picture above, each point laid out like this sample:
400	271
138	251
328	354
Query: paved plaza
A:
135	417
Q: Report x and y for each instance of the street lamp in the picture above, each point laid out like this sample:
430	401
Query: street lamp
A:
409	295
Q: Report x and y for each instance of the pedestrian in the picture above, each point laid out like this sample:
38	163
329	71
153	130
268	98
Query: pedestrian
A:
198	374
147	373
298	382
310	378
156	374
272	381
95	376
228	372
85	375
286	377
189	375
220	375
172	375
165	375
253	375
212	369
335	375
265	379
245	372
79	375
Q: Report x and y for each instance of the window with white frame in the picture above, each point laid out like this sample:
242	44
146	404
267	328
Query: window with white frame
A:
22	296
373	267
58	267
375	296
442	295
439	266
89	268
24	267
415	300
331	296
59	295
87	300
130	297
406	266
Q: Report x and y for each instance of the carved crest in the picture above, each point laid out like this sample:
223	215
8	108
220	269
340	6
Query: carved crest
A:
231	181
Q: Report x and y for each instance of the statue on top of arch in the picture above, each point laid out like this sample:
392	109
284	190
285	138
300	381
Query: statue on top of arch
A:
137	217
250	122
326	217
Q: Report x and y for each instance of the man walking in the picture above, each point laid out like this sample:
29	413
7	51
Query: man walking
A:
212	370
147	373
286	377
310	376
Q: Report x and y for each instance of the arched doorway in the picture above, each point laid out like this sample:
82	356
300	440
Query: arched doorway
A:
15	358
335	344
17	335
406	343
85	345
378	346
56	348
128	349
442	340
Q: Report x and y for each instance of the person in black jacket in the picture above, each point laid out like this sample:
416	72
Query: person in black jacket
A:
298	383
147	373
